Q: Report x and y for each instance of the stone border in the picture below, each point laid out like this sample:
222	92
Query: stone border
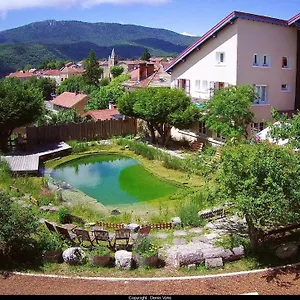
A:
157	278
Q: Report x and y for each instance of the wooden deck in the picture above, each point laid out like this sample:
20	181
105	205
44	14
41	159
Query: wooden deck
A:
29	162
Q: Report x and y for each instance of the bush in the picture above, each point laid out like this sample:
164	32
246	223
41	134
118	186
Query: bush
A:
145	247
64	216
100	250
50	241
17	227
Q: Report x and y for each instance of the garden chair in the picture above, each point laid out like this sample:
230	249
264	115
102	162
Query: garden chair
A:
50	226
122	237
102	235
84	235
142	232
66	234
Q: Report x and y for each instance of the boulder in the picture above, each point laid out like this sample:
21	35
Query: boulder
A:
123	259
74	256
287	251
217	252
214	262
176	222
238	253
188	257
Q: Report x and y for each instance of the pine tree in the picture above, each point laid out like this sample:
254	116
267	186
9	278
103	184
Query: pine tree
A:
146	55
93	71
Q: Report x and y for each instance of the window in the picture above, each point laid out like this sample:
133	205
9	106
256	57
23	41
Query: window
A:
255	60
197	85
184	84
285	64
262	91
285	87
266	61
202	128
257	127
204	85
220	56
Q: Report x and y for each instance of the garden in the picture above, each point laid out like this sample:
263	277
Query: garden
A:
197	180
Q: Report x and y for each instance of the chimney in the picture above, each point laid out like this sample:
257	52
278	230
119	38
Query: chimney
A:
142	71
110	105
76	92
150	69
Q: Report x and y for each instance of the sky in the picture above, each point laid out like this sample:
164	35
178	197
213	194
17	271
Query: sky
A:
191	17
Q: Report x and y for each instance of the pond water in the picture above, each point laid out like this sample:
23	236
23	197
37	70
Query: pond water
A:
112	179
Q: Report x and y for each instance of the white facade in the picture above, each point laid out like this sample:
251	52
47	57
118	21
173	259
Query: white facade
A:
215	61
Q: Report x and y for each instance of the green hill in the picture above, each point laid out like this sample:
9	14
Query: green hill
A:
39	41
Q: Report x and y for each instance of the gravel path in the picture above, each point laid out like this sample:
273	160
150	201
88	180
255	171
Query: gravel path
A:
279	282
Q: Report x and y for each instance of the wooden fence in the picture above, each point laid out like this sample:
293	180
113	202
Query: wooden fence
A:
86	131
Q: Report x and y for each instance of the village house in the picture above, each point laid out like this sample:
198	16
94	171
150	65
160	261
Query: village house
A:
68	100
243	49
22	75
111	113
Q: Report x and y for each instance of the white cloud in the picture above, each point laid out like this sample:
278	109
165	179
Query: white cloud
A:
21	4
188	34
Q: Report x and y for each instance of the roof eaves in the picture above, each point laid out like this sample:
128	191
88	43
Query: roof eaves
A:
294	19
228	19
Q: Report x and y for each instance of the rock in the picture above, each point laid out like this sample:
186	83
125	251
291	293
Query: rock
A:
132	227
115	212
179	242
180	233
288	250
123	259
190	256
217	252
238	253
176	222
214	262
74	256
191	267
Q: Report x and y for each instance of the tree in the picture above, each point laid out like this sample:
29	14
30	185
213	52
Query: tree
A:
20	105
46	85
286	128
116	71
161	108
61	117
71	84
93	71
146	55
100	98
263	182
229	111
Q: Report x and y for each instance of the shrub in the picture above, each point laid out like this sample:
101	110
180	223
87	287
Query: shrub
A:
145	247
17	227
64	216
100	250
50	241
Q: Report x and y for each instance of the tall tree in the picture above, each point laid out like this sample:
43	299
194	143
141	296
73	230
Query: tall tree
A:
20	105
229	111
116	71
93	71
161	108
263	182
46	85
146	55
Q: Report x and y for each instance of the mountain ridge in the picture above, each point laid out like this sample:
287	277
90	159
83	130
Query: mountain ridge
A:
49	39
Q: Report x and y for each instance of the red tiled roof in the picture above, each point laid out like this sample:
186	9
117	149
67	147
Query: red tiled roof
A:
103	114
70	70
51	72
68	99
21	74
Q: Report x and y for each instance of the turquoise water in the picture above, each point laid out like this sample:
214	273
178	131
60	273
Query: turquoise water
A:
112	179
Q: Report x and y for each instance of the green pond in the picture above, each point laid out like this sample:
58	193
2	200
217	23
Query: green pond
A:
112	179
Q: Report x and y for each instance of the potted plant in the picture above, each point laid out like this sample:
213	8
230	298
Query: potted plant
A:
145	252
100	256
52	247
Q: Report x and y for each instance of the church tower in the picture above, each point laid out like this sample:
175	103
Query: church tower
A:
112	59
